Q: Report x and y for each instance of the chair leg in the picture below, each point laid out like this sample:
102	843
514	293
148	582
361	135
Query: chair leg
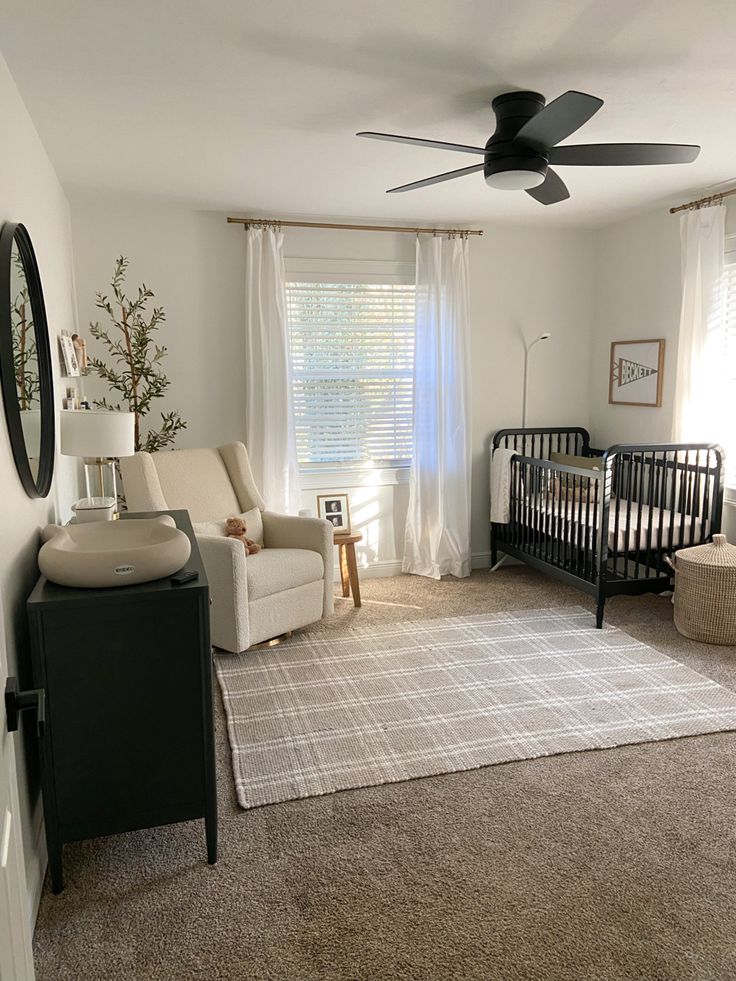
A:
344	571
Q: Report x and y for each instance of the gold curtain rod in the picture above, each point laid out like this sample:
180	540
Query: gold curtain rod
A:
355	228
703	202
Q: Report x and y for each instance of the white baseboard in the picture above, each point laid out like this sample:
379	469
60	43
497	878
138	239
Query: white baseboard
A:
381	570
375	570
392	567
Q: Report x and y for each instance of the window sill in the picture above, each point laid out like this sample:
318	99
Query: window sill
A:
347	477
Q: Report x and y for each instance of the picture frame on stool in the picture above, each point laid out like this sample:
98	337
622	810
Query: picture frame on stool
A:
335	508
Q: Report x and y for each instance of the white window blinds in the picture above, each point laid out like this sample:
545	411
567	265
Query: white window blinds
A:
352	352
729	351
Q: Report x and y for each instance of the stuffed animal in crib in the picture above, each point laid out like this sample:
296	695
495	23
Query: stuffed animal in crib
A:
235	528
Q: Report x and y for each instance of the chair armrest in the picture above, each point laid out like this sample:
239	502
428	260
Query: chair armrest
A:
314	534
225	561
290	531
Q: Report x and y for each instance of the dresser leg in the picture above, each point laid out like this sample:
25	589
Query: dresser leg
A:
56	868
210	826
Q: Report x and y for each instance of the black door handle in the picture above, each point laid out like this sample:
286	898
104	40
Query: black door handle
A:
18	701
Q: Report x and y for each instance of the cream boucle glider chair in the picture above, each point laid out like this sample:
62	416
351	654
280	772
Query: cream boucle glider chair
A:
288	584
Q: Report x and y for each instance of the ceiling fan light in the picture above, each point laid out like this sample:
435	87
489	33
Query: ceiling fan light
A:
515	180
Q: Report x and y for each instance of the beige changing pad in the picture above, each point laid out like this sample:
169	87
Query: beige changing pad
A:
113	553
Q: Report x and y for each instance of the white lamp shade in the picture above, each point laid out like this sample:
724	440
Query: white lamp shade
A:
30	420
97	433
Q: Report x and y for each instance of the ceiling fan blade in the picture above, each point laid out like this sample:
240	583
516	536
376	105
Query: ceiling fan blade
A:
449	176
622	154
416	141
551	190
558	120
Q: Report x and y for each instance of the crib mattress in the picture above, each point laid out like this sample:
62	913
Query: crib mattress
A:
579	531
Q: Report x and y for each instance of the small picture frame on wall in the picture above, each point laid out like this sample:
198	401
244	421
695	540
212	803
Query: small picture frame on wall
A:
68	355
335	508
636	373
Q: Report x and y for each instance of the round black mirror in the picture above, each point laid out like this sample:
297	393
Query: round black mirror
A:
25	362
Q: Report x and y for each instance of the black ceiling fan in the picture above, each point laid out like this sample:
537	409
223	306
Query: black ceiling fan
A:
518	155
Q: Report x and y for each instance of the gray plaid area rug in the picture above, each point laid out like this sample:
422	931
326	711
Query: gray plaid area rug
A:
328	712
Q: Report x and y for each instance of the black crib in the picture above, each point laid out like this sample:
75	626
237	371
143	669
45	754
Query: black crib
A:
607	531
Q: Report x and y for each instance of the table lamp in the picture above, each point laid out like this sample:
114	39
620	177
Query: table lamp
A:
98	436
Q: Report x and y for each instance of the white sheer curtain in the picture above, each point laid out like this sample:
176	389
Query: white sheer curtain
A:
701	411
269	410
437	539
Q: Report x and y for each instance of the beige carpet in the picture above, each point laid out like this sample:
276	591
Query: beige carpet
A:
416	699
602	866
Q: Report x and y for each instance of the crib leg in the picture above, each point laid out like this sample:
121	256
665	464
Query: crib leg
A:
599	612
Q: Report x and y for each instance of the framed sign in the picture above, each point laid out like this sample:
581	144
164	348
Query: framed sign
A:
637	373
335	509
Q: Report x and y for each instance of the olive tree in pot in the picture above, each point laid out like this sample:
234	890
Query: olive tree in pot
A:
135	370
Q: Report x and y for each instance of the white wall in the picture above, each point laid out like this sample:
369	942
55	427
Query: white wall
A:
523	280
526	280
194	263
30	193
637	295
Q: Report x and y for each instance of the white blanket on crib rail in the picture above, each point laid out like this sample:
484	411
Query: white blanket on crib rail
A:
501	485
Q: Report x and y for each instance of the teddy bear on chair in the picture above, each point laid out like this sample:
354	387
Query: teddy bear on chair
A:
235	528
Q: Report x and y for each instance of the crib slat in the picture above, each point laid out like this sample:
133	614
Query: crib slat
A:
561	521
650	504
549	515
596	543
566	525
556	528
694	511
661	493
639	491
535	509
578	551
553	517
684	500
673	503
525	499
517	485
627	531
541	475
588	530
616	479
709	482
512	529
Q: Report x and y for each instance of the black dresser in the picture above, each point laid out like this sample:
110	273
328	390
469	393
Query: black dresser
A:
128	738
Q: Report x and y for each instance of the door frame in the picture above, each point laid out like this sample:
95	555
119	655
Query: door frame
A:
15	921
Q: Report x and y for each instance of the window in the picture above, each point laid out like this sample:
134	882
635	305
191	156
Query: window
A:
352	353
730	357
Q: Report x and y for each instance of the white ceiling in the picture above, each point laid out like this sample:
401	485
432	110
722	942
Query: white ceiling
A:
251	105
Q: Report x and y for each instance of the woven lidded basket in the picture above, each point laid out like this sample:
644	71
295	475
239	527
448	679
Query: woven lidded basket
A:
705	592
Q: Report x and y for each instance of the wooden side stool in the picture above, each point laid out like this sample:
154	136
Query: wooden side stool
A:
349	564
